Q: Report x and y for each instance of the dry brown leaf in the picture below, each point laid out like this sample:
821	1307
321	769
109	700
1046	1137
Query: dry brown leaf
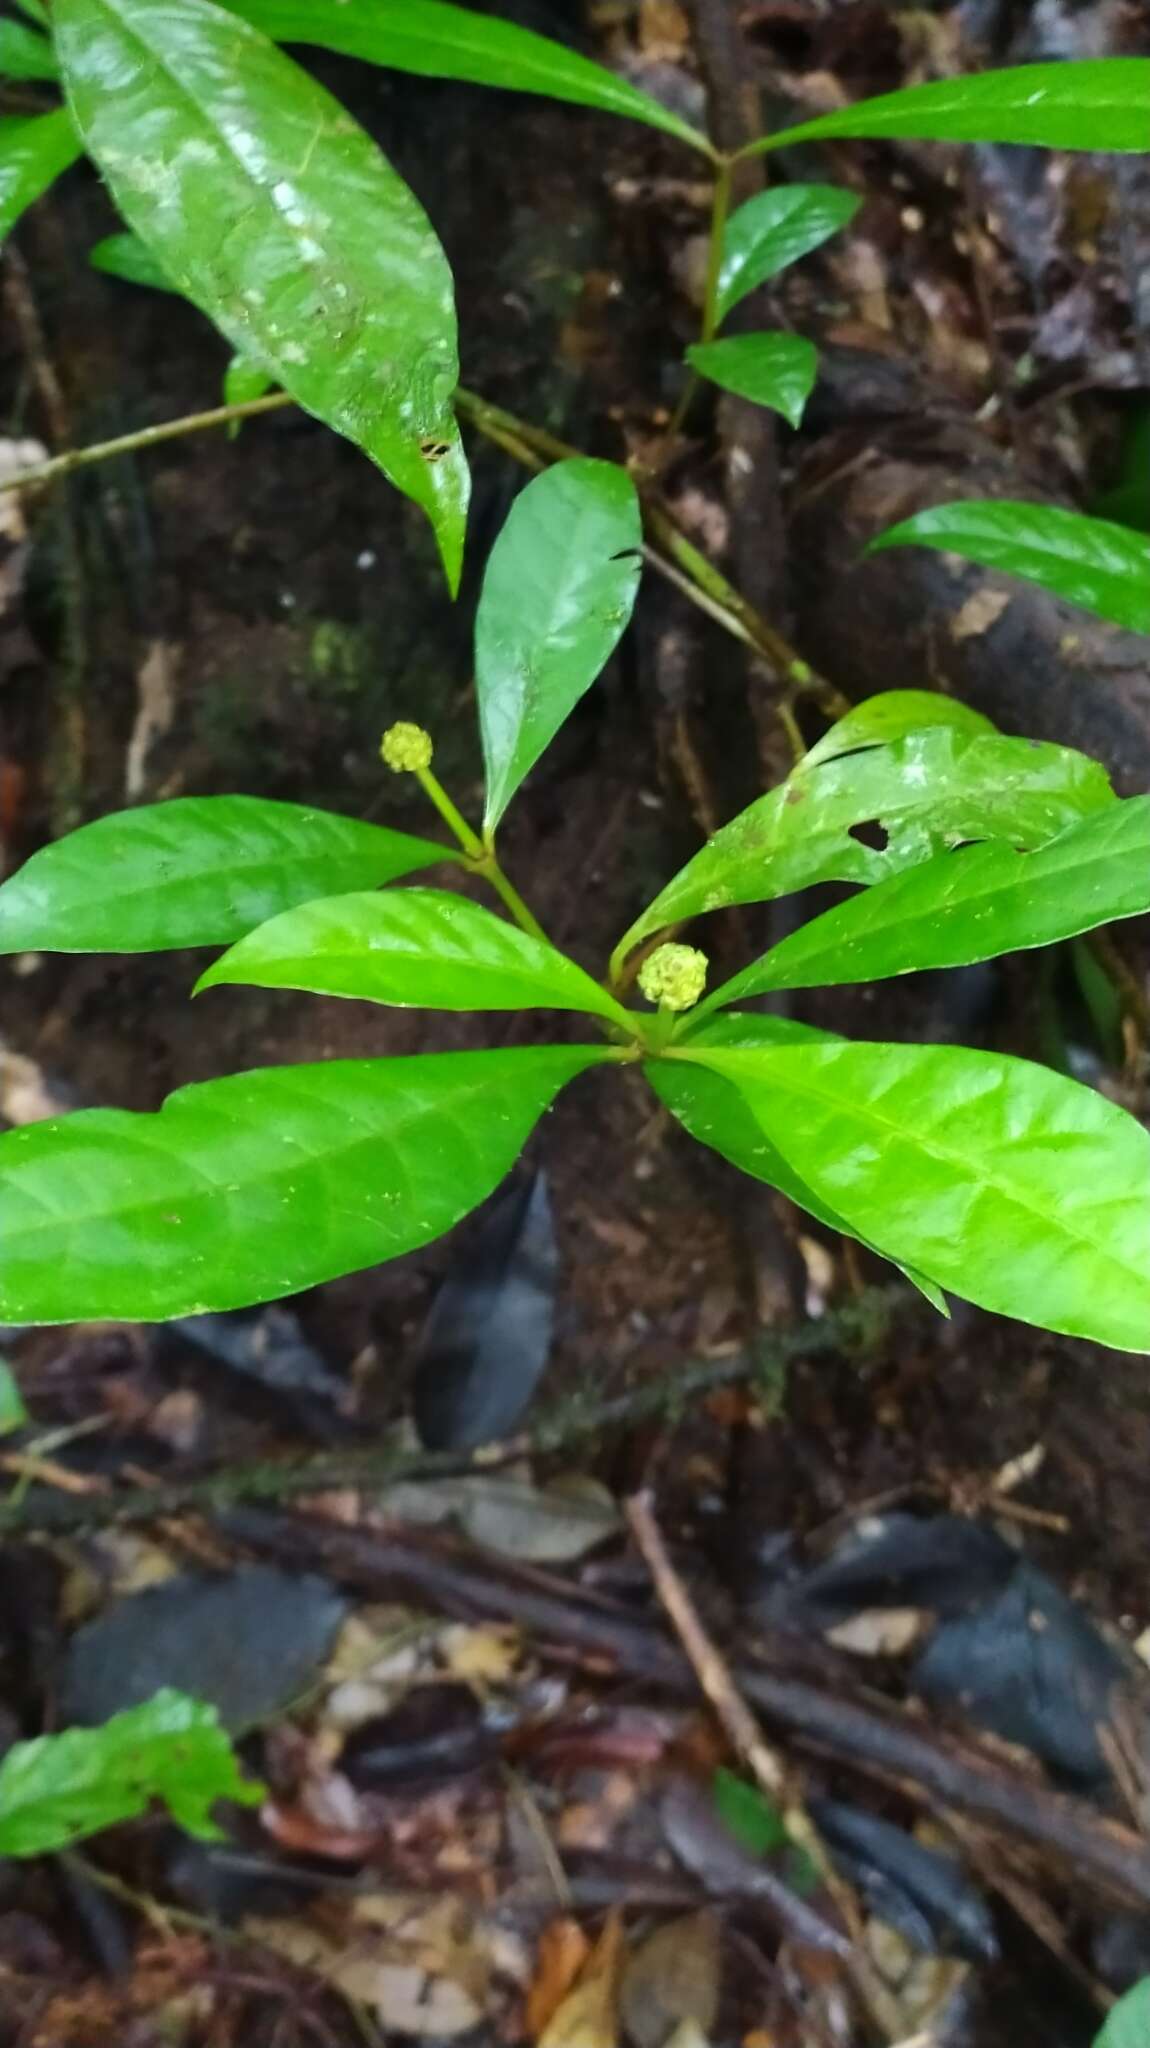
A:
982	610
588	2016
563	1950
671	1980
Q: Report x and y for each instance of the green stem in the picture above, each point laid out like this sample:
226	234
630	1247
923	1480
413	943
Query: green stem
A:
481	858
668	551
720	208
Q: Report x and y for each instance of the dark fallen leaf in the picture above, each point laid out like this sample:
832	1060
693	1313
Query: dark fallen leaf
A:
1030	1666
673	1976
249	1643
435	1732
489	1332
944	1564
924	1894
267	1346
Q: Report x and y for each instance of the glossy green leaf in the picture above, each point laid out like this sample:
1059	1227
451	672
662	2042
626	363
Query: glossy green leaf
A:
1100	103
1128	2025
972	904
926	792
25	53
1089	562
1022	1190
777	370
60	1788
435	40
558	591
124	255
34	150
275	213
771	231
197	871
36	11
712	1110
245	1189
413	947
891	715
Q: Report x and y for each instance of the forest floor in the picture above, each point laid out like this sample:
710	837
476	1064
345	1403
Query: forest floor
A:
501	1711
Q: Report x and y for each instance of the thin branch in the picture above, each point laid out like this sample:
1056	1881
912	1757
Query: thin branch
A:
766	1763
669	551
570	1422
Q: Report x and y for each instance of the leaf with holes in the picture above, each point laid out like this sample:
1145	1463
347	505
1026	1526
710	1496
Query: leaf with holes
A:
714	1113
271	209
1022	1190
261	1184
891	715
1100	103
412	947
62	1787
558	592
34	150
435	40
972	904
776	370
1089	562
924	792
197	871
771	231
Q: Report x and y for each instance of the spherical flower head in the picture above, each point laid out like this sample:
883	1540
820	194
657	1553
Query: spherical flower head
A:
674	976
406	748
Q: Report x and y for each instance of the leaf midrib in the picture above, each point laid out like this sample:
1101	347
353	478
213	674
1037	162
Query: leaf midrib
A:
865	1112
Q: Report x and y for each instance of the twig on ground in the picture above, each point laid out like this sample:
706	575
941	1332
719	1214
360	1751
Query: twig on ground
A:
766	1763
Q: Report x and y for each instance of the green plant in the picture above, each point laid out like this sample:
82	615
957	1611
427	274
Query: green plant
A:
1128	2025
60	1788
1023	1190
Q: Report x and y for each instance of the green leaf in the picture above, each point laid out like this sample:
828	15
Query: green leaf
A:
1022	1190
434	40
926	792
125	256
714	1113
24	53
36	11
243	381
34	150
13	1413
242	1190
412	947
778	370
772	230
60	1788
1089	562
1099	103
197	871
969	905
749	1815
270	208
890	716
558	591
1128	2025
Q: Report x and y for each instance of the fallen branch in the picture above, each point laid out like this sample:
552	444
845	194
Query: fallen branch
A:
819	1717
570	1421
